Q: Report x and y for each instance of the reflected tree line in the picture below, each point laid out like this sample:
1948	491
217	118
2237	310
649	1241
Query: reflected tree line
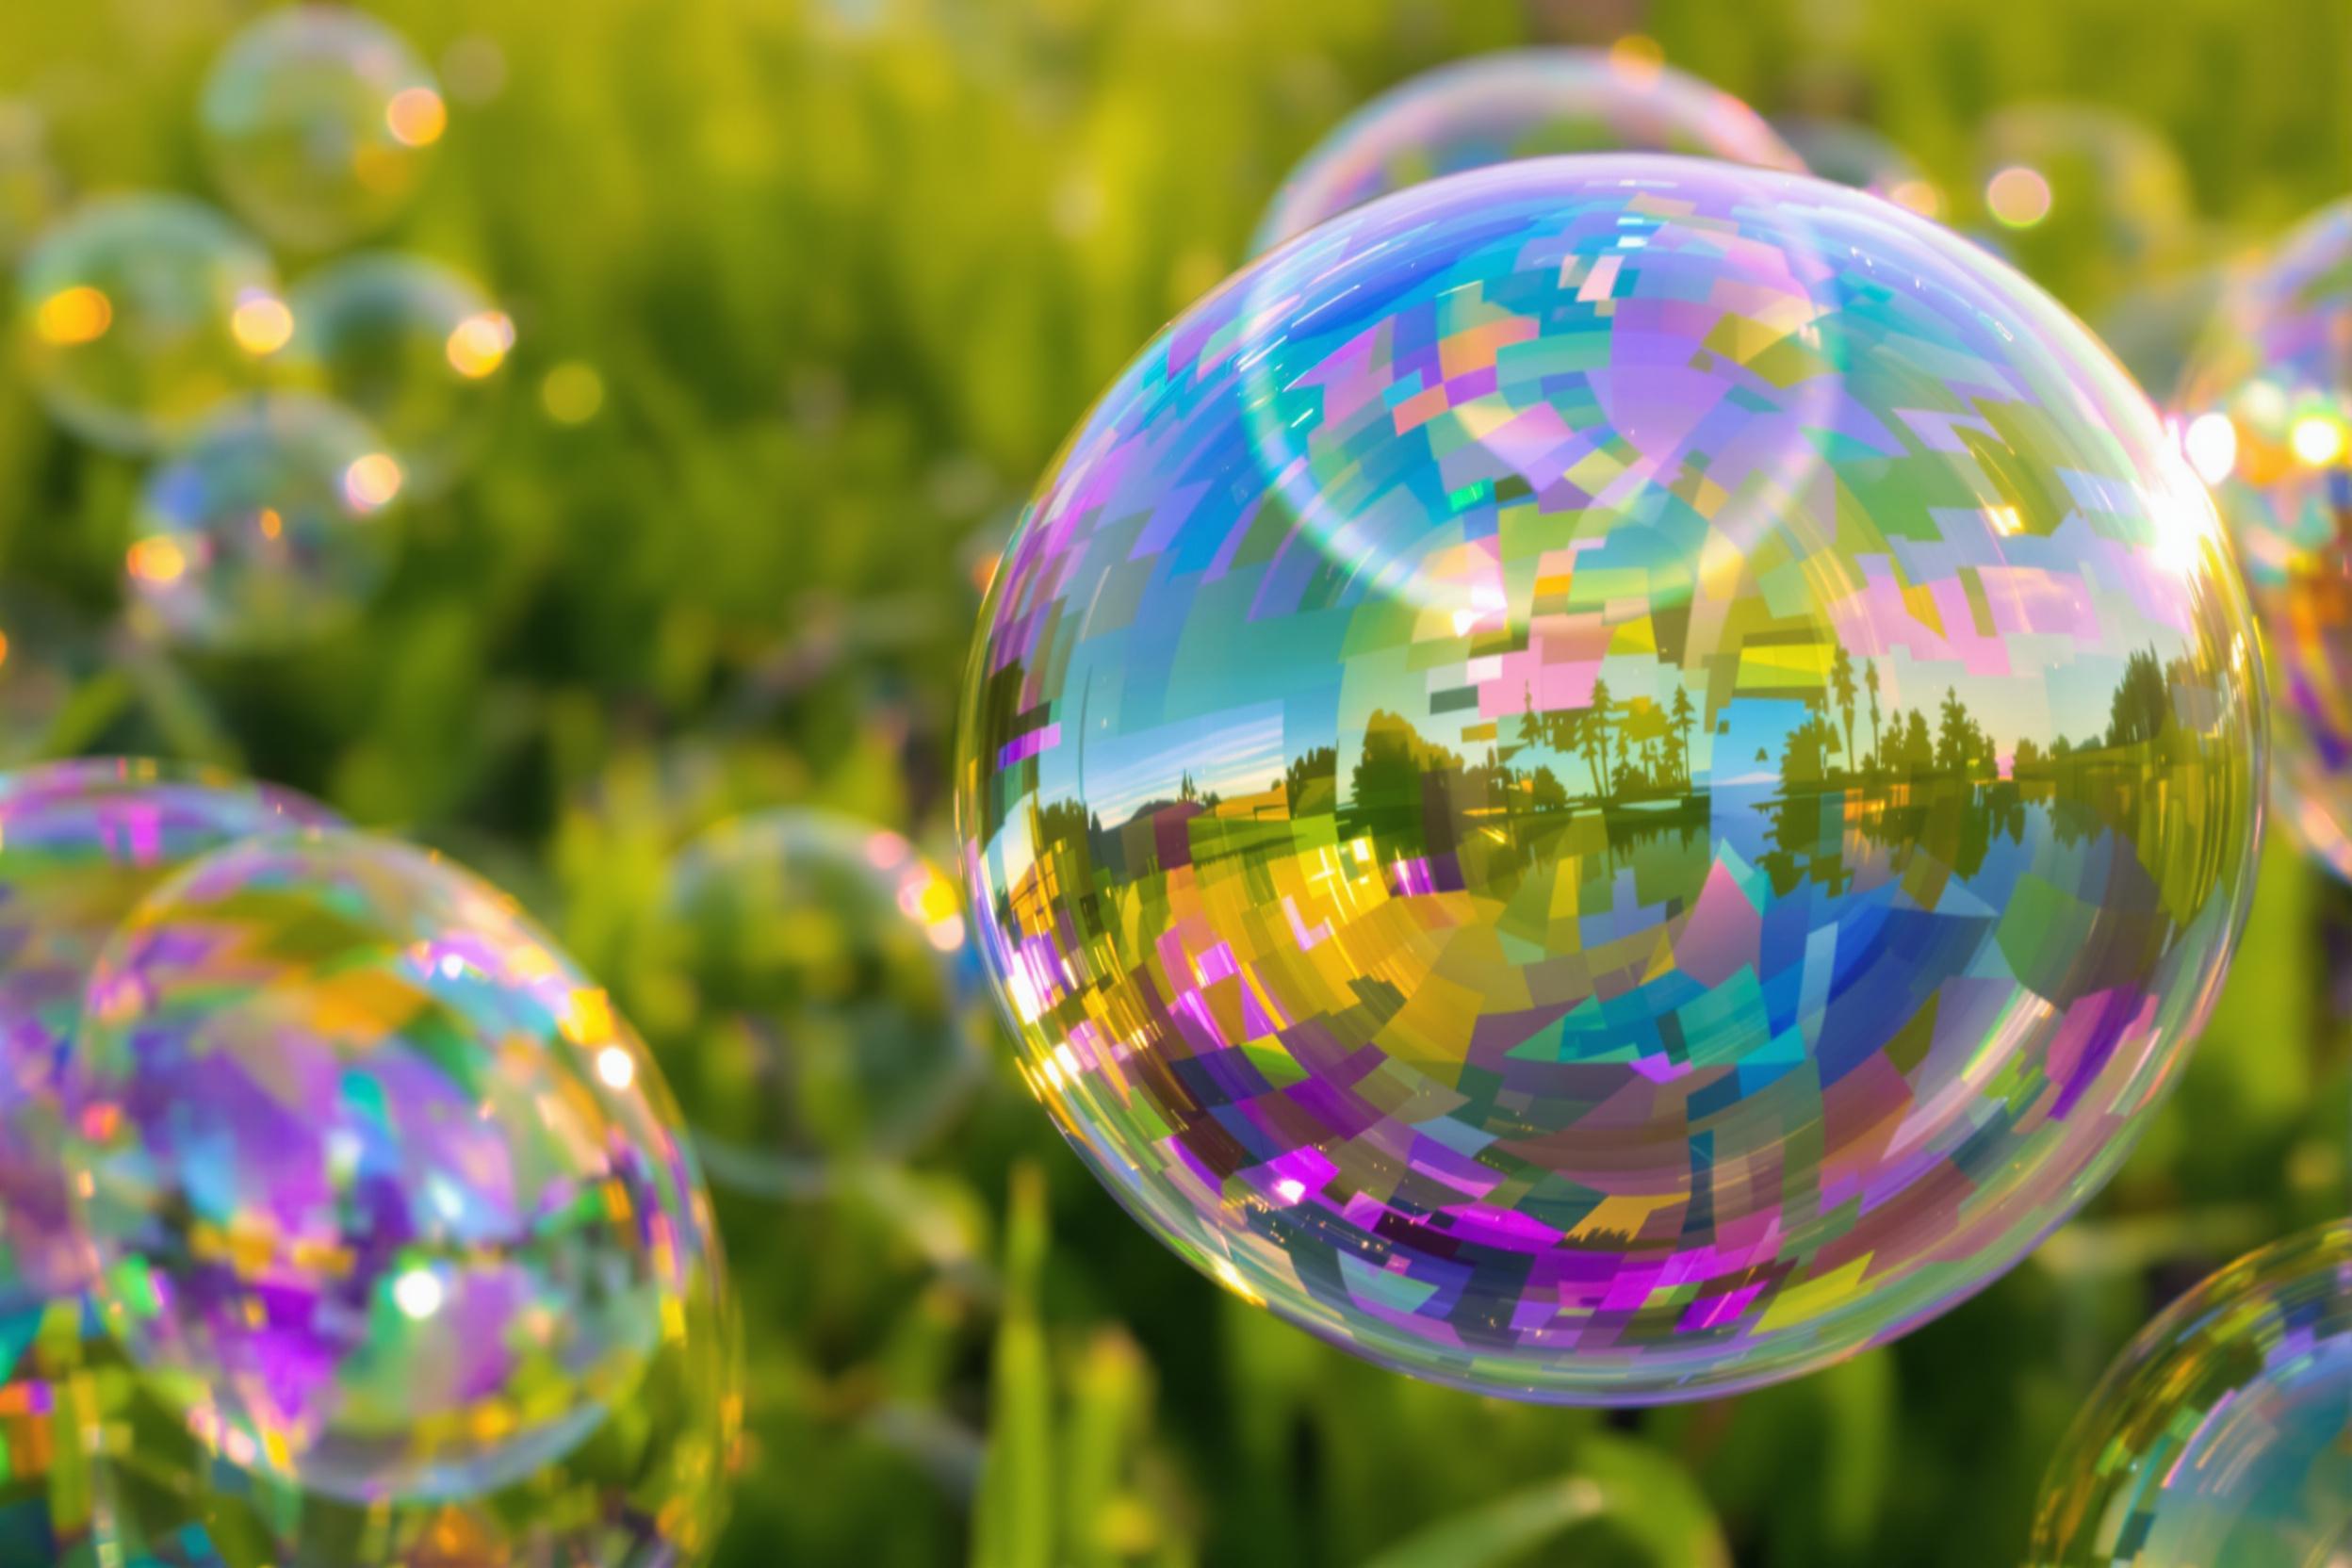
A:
1927	776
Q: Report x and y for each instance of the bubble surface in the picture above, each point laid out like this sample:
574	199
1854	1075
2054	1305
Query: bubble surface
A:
1730	944
2264	413
388	1201
1520	103
319	123
80	843
266	528
140	314
2223	1435
811	986
414	348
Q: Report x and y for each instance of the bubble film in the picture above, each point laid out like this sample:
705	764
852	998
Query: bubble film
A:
1856	156
808	981
80	843
266	528
138	314
1738	923
386	1200
2264	411
1520	103
413	348
2223	1437
2091	200
319	123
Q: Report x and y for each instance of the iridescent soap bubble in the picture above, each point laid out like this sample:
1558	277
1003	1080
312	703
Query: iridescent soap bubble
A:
319	123
1733	942
266	528
386	1198
1519	104
414	348
2222	1436
2091	199
139	313
809	985
2264	413
1854	154
80	843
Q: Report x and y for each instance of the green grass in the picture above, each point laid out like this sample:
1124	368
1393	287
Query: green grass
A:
846	288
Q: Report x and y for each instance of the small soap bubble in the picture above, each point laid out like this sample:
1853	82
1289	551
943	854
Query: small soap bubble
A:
809	983
267	528
413	348
319	123
141	314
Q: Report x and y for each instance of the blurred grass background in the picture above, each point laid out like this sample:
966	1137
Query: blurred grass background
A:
808	294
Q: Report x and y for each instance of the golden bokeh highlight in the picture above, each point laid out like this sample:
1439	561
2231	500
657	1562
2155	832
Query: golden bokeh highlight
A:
73	316
417	117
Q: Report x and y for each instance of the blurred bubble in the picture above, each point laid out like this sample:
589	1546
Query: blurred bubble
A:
572	393
2264	411
475	67
80	843
318	122
2154	326
266	527
388	1201
32	191
413	348
809	983
1516	105
129	312
1856	156
1732	940
2093	200
2223	1435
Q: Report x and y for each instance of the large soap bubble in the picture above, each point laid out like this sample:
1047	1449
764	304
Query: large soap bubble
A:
318	122
138	314
80	843
1730	939
1520	103
809	983
2223	1437
413	348
386	1200
266	528
2264	411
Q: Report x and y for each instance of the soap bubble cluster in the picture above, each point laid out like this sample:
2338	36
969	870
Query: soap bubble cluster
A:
1614	777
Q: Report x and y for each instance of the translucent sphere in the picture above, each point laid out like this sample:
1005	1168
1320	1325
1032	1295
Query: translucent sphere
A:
80	843
2222	1436
319	122
266	528
2264	411
1520	103
2092	199
1719	865
138	314
810	989
388	1201
414	348
1854	154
